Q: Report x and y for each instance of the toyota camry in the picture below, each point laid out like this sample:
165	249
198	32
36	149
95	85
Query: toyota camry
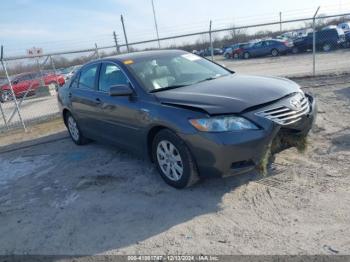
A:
190	116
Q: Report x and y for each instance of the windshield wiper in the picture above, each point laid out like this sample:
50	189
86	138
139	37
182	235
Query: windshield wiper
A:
209	78
166	88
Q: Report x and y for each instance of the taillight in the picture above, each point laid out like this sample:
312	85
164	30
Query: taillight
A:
288	44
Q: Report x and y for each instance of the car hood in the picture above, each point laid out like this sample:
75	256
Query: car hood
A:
230	94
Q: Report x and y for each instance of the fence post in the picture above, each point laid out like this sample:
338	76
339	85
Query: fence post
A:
126	38
116	42
2	111
280	22
211	42
3	116
55	72
314	43
41	72
11	87
96	51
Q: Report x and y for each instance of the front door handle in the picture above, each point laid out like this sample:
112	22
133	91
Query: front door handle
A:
97	101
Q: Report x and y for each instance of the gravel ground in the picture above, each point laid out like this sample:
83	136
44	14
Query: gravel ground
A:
58	198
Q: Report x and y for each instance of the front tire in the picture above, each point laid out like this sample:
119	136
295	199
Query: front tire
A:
326	47
74	130
173	160
5	96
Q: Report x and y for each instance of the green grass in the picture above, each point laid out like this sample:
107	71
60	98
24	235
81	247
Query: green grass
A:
278	144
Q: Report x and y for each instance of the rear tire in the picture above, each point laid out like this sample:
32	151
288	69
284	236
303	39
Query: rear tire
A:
173	160
274	52
295	50
246	55
74	130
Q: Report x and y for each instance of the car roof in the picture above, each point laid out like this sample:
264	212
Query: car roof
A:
144	54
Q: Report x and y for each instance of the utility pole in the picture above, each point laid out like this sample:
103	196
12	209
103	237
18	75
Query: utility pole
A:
116	42
126	38
314	42
155	23
280	22
211	42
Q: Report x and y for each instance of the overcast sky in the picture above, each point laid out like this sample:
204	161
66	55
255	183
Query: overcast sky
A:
66	24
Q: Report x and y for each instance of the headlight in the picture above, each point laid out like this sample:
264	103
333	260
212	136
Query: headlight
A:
222	124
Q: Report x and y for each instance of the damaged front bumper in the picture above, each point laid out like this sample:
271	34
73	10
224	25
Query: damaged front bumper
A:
231	153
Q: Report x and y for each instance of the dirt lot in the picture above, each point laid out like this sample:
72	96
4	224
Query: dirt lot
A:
58	198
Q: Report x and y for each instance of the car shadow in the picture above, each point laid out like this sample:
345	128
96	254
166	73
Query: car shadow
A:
97	199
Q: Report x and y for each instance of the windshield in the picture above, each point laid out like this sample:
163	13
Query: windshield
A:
171	71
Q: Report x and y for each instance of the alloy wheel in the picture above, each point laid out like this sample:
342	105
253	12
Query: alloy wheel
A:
5	96
73	128
169	160
326	47
274	52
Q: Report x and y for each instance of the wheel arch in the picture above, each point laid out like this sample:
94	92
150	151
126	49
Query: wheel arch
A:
65	111
150	136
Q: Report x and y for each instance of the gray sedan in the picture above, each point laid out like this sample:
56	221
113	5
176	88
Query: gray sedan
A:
190	116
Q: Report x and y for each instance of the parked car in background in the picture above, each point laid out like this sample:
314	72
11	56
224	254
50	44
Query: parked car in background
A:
288	35
207	52
28	83
291	35
345	26
191	117
234	50
68	72
273	47
347	39
2	80
326	40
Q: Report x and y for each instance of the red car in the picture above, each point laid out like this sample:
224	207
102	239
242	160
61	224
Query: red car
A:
28	81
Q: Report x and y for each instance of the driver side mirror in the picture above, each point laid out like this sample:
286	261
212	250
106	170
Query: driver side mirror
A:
120	90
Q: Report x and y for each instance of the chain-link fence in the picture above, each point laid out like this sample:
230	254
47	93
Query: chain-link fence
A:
300	47
29	86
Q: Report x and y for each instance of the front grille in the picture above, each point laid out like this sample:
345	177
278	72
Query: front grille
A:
284	115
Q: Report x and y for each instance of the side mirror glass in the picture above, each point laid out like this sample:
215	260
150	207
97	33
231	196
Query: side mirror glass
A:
120	90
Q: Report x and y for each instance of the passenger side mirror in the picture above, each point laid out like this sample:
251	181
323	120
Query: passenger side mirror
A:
120	90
